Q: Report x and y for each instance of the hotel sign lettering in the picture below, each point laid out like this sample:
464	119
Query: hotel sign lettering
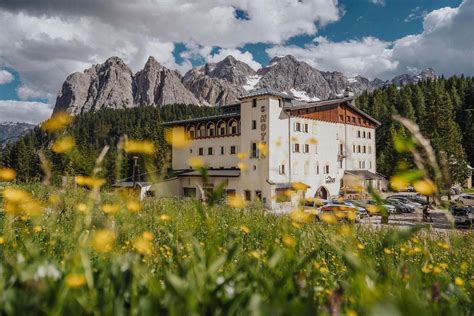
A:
330	179
263	123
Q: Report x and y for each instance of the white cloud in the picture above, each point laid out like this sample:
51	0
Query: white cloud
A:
5	77
369	56
45	42
22	111
446	44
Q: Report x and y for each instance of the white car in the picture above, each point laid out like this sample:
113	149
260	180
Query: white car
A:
466	199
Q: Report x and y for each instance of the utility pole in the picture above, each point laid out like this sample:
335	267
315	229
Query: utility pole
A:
135	170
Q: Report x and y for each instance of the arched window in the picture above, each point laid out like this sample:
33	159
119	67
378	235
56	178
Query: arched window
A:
221	128
233	127
201	130
191	131
211	129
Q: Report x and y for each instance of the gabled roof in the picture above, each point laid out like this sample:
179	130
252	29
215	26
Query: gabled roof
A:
347	101
265	91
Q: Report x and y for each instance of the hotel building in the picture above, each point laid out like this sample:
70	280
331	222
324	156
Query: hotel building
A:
268	141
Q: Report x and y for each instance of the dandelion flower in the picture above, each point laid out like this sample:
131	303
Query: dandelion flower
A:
245	229
312	141
242	155
103	240
75	280
110	209
90	182
57	122
7	174
2	240
425	187
242	166
63	145
134	206
196	162
143	246
236	201
37	229
82	208
15	195
288	241
165	217
263	148
328	218
360	246
387	251
300	216
147	235
398	183
458	281
177	138
144	147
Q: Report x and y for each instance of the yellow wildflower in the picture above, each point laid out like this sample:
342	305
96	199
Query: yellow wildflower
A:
90	182
288	241
372	209
37	229
278	143
103	240
2	240
443	245
75	280
300	216
263	148
110	209
387	251
245	229
424	186
299	186
57	122
7	174
53	199
15	195
328	218
242	155
312	141
143	246
165	217
426	269
177	137
351	312
242	166
147	235
255	254
360	246
134	206
82	208
145	147
294	139
196	162
63	145
398	183
458	281
236	201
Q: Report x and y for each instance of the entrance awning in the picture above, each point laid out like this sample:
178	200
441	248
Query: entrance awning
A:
364	174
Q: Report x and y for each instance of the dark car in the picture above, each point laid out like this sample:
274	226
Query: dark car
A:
405	205
461	217
412	197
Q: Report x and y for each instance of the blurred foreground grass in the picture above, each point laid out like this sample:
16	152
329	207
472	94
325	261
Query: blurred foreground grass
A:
110	254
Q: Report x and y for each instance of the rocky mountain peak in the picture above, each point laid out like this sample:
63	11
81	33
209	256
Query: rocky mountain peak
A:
152	63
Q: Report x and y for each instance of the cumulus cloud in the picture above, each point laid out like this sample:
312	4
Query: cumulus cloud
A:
5	77
445	44
23	111
378	2
369	56
46	40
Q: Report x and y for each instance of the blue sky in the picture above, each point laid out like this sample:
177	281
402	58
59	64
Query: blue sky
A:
41	43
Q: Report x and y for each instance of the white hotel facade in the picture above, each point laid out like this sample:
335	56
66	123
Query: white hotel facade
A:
319	144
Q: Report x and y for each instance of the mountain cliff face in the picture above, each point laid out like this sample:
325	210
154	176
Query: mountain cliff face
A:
11	132
113	85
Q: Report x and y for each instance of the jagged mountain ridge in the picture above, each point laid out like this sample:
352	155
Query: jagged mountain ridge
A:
113	85
12	131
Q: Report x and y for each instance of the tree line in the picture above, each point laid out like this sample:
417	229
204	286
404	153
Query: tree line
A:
444	111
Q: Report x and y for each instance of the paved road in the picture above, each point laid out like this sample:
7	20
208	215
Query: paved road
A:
440	221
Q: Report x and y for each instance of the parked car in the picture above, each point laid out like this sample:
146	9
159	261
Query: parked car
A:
413	198
390	208
361	211
462	216
401	207
466	199
315	202
406	201
340	211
